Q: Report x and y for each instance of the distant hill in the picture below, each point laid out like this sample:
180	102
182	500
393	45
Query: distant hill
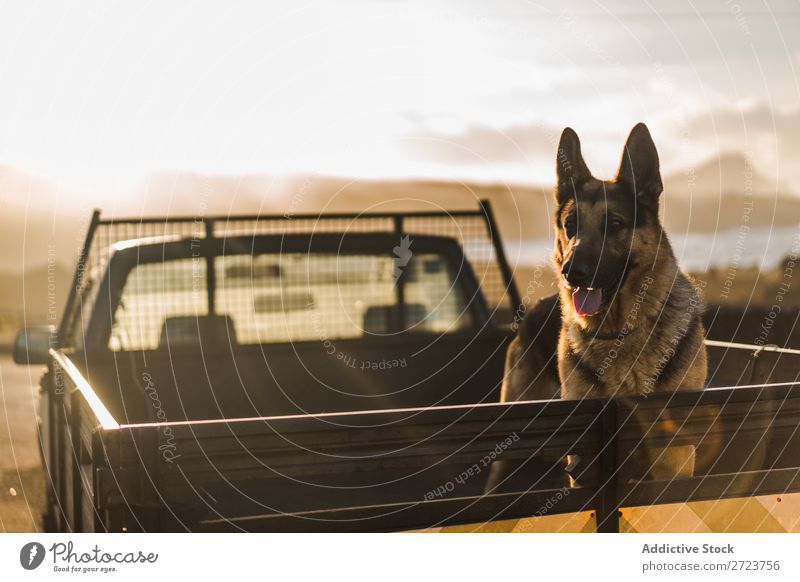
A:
523	211
683	214
40	293
724	193
728	174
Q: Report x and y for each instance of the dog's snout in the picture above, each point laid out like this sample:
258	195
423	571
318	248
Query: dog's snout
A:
576	272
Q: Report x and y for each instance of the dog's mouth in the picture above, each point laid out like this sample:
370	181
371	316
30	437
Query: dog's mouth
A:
587	301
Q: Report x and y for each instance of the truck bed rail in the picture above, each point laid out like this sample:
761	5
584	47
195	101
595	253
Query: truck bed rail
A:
136	488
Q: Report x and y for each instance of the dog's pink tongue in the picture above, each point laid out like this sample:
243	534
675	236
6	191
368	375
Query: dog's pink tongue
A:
587	301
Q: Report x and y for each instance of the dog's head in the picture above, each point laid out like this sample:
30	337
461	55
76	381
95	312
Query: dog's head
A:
600	224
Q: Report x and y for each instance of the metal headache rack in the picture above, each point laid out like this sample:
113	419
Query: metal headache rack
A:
475	230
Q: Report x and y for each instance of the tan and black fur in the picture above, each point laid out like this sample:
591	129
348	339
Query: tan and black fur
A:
648	334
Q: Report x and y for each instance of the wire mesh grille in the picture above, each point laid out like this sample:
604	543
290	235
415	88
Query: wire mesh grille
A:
162	302
264	298
473	234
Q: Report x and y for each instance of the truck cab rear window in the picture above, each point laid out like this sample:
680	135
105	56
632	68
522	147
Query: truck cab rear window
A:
287	297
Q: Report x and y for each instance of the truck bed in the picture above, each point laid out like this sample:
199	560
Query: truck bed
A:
199	383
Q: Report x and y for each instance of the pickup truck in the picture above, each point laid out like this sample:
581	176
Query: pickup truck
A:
342	373
182	325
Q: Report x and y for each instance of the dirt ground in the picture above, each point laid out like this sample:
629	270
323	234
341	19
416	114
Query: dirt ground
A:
22	491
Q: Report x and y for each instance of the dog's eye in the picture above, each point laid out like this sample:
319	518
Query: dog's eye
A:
570	226
615	224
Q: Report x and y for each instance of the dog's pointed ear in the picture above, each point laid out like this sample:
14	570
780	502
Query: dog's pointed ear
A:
570	167
639	167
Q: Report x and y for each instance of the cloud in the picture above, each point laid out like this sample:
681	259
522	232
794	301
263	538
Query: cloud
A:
750	121
480	143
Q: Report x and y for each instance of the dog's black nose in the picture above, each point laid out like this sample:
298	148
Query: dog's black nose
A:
576	273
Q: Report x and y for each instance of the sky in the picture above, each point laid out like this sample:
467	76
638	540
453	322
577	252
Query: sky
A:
98	95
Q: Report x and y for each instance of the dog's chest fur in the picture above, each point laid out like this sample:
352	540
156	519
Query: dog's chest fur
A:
649	341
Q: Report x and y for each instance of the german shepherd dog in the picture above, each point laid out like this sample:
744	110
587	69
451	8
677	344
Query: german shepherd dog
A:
626	320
